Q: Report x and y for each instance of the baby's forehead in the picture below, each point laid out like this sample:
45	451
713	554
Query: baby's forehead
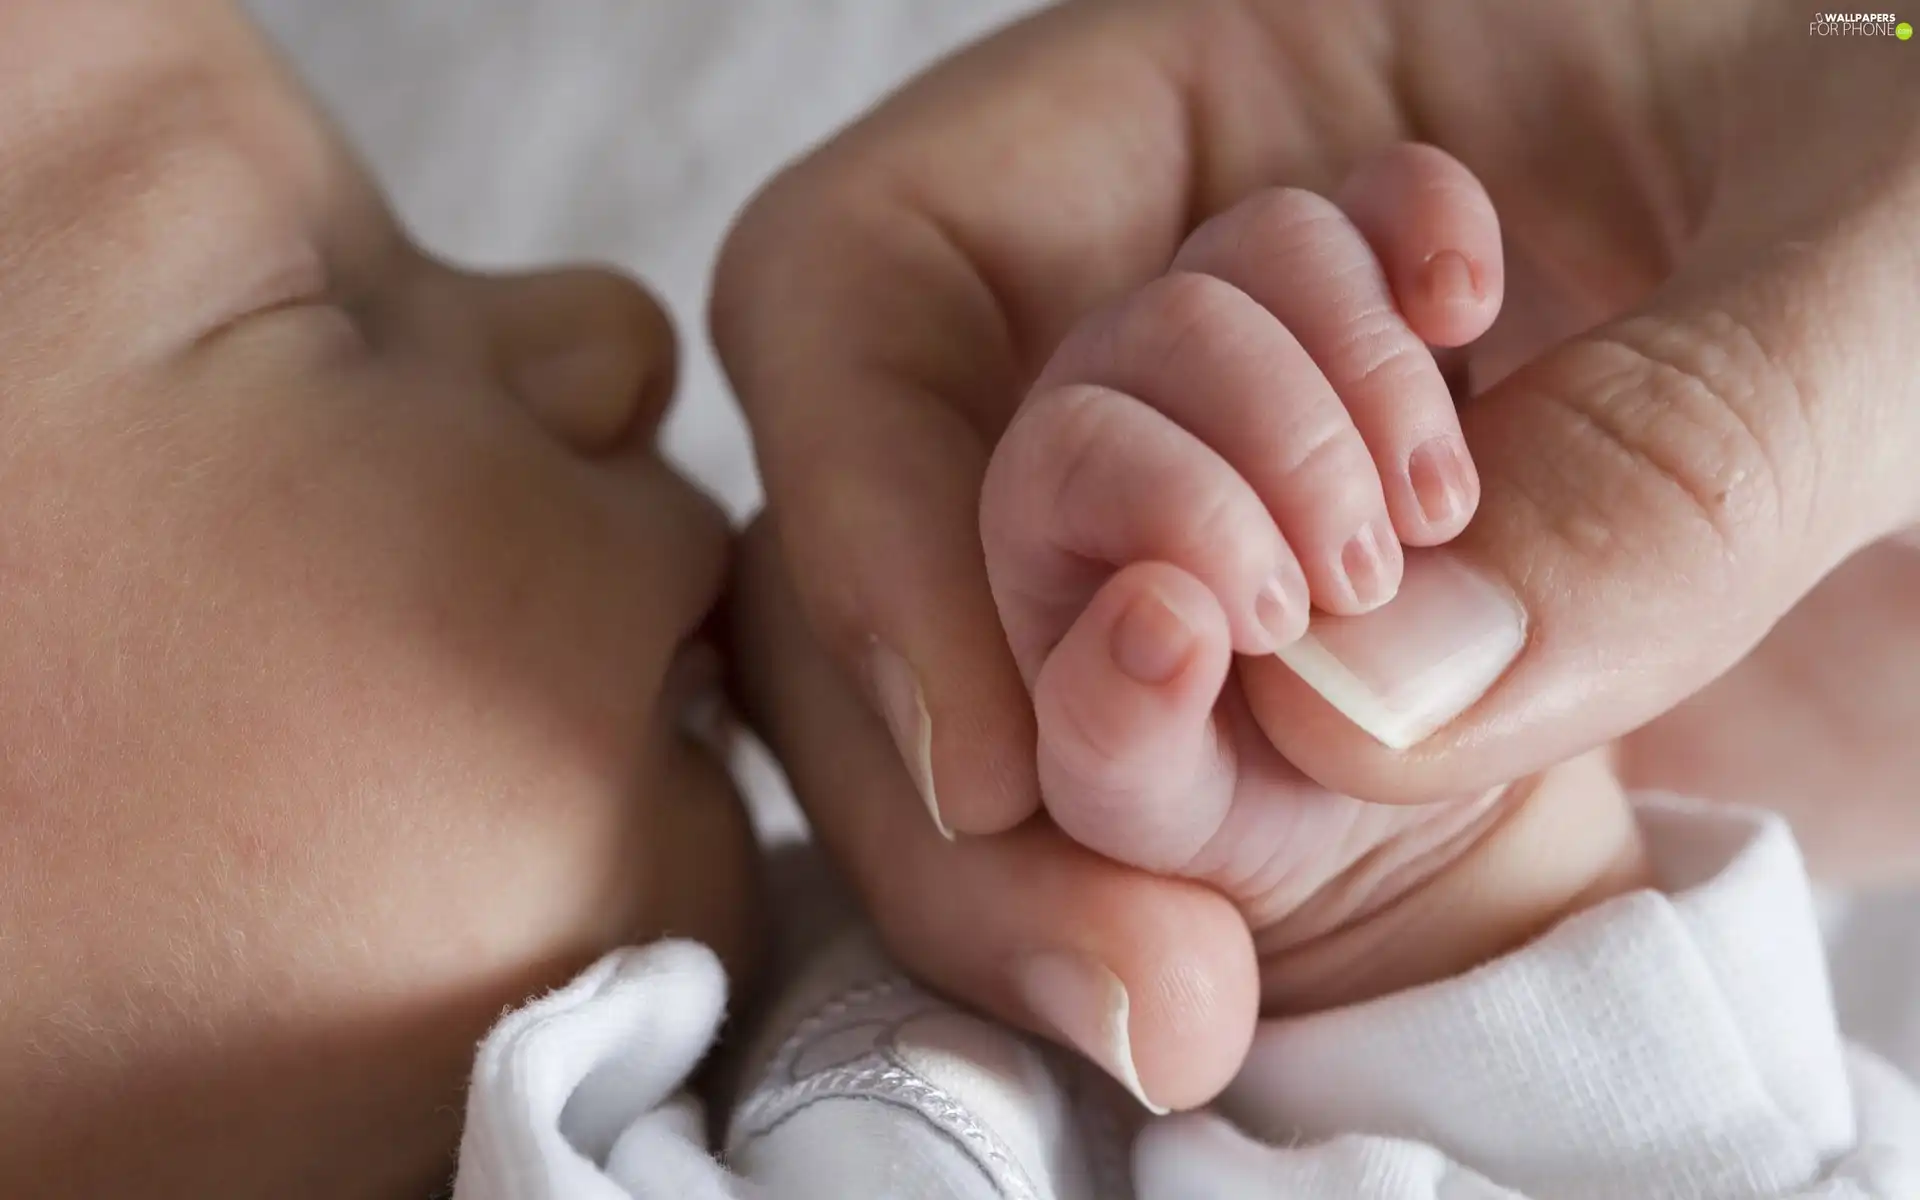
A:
154	187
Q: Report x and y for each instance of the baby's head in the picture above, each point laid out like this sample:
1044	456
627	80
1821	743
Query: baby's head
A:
343	595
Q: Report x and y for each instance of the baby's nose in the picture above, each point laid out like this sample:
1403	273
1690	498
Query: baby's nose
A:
588	351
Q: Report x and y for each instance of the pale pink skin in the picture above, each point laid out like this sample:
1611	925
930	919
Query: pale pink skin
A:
1204	442
1698	399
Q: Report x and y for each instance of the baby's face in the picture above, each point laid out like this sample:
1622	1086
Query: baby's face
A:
340	608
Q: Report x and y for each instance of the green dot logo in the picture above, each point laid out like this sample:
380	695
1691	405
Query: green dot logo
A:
1903	31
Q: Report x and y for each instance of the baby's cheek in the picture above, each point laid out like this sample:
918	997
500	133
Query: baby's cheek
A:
333	859
327	738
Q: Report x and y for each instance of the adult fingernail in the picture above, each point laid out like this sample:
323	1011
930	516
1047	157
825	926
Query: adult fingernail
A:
1408	668
1451	279
1151	642
904	708
1442	479
1087	1006
1363	562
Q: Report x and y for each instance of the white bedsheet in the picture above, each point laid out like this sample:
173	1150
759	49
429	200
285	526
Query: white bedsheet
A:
513	132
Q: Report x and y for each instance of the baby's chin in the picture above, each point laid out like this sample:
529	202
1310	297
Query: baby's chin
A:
704	857
1539	851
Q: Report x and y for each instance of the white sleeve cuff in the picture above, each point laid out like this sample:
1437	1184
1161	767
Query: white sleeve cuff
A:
577	1096
1665	1044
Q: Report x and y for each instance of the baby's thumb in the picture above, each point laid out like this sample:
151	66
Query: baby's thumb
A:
1658	492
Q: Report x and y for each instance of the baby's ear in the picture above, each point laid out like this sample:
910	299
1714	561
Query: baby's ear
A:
589	352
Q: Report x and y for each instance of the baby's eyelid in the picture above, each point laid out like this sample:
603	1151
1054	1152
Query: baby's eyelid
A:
296	276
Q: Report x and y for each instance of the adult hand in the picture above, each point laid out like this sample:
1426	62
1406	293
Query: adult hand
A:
1692	410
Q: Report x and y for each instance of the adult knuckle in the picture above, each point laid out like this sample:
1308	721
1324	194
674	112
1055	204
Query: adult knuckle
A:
1679	421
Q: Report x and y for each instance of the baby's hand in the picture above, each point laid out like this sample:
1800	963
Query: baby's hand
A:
1255	433
1267	419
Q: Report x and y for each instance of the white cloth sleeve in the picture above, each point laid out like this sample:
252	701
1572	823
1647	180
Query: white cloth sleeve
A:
578	1095
1678	1044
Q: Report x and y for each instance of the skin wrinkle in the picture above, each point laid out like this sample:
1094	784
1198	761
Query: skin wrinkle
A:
1328	451
1344	959
1777	502
1586	435
1386	870
1378	328
1176	316
1725	471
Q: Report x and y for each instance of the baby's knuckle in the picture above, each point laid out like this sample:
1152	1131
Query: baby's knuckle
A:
1070	431
1269	229
1213	522
1281	220
1322	445
1180	312
1378	353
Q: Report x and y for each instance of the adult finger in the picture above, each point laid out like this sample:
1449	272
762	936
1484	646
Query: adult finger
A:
1659	492
1153	979
884	305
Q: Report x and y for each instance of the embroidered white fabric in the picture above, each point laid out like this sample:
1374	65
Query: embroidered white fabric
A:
1676	1045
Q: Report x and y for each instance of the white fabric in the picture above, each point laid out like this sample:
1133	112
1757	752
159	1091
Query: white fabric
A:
1677	1044
578	1094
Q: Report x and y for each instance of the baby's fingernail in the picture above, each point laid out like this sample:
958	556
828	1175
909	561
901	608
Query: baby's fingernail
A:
1281	616
1408	668
1151	642
1364	563
1086	1005
904	707
1442	479
1451	279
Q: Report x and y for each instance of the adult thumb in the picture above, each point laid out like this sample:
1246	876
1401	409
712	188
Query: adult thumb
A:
1658	493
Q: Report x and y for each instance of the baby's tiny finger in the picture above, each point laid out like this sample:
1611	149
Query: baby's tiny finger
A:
1211	358
1131	765
1306	263
1088	480
1153	979
1437	236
